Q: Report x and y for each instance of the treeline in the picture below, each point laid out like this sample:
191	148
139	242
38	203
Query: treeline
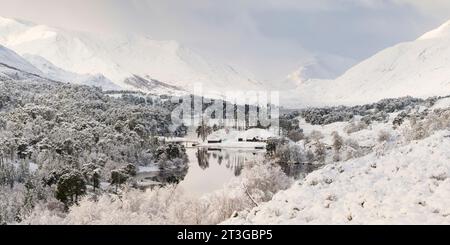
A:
377	112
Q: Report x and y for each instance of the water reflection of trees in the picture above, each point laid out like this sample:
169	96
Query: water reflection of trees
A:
163	178
203	158
234	161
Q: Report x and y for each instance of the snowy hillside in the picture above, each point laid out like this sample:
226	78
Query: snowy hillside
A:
119	58
390	171
420	68
53	72
408	185
11	62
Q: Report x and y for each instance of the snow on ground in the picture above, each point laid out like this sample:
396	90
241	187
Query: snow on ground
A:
406	185
146	169
33	167
365	137
442	104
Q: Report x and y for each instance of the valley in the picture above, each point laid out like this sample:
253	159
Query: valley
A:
90	134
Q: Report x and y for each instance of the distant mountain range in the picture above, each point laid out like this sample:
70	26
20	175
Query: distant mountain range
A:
420	68
128	62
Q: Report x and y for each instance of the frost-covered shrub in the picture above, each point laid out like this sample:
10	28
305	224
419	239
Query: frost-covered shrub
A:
338	141
273	145
320	151
417	130
17	202
316	136
296	135
170	152
420	126
352	149
289	125
375	117
384	136
400	118
10	204
439	120
354	127
291	154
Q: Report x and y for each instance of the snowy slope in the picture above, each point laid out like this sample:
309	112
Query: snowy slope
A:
319	67
10	60
53	72
120	57
408	185
420	68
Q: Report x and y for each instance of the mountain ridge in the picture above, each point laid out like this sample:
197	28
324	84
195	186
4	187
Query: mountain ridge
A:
119	57
419	68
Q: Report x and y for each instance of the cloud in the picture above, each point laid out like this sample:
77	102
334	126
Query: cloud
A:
438	8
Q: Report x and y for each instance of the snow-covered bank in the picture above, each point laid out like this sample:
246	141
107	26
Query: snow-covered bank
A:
406	185
230	138
235	135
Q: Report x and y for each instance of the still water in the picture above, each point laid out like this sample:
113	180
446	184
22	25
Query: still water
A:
209	170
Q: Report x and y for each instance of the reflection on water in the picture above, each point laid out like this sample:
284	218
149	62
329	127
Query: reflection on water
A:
233	160
146	180
210	169
202	158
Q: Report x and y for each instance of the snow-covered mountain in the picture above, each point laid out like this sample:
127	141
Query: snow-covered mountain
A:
420	68
11	59
120	58
51	71
13	65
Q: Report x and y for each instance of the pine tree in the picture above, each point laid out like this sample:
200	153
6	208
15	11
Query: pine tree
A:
70	187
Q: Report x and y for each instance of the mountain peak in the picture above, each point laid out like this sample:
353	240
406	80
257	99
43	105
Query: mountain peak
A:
119	57
441	32
419	69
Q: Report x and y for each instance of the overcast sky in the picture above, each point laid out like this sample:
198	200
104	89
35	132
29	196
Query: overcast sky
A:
270	38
